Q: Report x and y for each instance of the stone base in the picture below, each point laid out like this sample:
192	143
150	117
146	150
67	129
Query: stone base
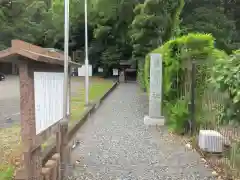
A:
154	121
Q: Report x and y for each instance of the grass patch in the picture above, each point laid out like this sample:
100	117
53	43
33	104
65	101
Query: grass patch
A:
10	146
97	88
7	174
9	143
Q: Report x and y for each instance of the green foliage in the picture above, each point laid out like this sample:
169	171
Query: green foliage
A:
234	155
21	21
110	57
177	114
177	51
111	42
152	21
37	22
146	72
135	27
8	174
225	77
140	75
215	17
177	54
175	29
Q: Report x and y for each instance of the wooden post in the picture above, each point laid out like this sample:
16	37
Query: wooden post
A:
56	157
32	154
58	147
46	173
62	142
52	164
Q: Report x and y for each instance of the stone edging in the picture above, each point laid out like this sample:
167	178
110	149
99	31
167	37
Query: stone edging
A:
72	131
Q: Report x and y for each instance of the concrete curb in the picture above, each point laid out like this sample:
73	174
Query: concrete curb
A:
51	149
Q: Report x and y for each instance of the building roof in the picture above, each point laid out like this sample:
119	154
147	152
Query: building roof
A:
54	50
125	63
33	52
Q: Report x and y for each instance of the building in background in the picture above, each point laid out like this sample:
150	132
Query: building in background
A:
8	68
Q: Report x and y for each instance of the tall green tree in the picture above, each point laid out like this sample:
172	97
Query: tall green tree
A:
110	21
211	17
38	22
153	24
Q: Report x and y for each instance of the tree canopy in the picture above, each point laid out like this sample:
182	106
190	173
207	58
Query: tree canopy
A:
119	29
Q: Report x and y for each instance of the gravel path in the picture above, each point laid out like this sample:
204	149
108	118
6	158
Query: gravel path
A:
116	145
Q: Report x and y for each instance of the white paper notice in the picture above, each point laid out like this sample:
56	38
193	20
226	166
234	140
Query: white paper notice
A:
48	91
115	72
100	69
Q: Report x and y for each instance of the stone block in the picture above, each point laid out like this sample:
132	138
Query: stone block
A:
154	121
210	141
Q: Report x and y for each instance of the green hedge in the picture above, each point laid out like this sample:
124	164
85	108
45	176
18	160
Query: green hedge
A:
140	75
225	77
176	53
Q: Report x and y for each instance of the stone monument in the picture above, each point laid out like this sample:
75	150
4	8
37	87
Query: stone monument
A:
155	96
122	77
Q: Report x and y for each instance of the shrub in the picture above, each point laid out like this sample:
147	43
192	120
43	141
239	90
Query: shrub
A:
178	53
175	52
225	77
177	115
140	75
8	174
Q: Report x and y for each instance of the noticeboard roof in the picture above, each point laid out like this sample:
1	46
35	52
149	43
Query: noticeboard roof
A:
33	52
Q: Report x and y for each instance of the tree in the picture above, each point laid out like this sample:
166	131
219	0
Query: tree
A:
153	24
23	21
111	43
36	22
225	77
211	17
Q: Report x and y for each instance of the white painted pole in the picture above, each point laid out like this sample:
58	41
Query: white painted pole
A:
66	42
86	56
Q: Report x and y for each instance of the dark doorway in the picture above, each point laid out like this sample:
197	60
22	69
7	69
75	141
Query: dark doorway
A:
6	68
9	68
130	74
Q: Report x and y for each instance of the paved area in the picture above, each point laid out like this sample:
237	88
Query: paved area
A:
9	101
116	145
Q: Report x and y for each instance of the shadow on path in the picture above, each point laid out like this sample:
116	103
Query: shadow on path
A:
115	144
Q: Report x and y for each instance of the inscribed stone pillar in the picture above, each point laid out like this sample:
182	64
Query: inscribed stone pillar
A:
155	97
122	77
